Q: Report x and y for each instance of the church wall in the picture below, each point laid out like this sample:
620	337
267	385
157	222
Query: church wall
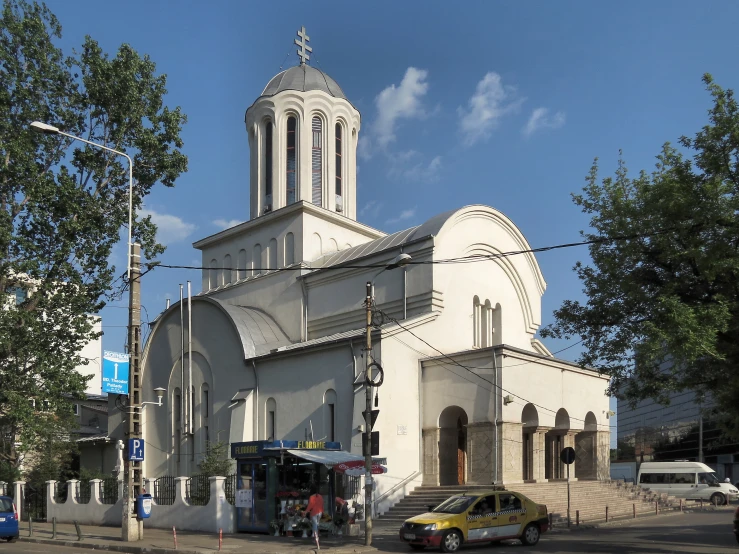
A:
218	360
332	237
336	298
298	383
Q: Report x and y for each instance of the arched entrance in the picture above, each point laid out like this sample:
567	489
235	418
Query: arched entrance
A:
453	446
530	424
555	442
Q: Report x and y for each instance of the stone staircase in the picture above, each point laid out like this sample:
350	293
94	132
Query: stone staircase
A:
589	497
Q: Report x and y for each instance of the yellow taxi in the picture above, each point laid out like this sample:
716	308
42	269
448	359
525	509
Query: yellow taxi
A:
479	516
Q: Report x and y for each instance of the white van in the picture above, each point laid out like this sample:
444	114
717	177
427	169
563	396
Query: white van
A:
691	480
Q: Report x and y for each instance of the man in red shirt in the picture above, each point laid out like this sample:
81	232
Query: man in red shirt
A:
314	511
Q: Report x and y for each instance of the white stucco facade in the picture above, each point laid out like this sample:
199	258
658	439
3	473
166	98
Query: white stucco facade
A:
469	394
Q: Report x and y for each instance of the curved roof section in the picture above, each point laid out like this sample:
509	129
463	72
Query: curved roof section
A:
303	78
258	331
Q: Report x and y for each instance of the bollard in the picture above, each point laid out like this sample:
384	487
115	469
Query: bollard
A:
701	503
220	538
174	534
681	504
79	531
606	513
577	518
633	507
30	526
551	521
53	527
656	507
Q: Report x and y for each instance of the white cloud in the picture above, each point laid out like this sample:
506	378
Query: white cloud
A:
408	167
491	101
170	228
226	223
540	119
401	102
405	214
371	209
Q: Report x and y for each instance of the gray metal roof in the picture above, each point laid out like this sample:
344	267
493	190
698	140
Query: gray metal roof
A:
303	78
366	249
258	331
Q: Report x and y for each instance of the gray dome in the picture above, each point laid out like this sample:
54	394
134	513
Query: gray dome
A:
303	78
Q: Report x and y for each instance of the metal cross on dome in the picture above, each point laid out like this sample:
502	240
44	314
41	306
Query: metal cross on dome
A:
304	48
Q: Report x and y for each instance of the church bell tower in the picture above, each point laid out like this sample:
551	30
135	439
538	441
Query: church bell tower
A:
303	141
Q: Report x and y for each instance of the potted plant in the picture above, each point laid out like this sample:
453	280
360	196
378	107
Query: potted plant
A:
305	526
339	524
275	526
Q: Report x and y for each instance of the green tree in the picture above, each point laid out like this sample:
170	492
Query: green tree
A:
62	206
662	308
216	461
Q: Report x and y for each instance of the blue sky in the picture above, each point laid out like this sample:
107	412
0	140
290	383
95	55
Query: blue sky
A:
498	103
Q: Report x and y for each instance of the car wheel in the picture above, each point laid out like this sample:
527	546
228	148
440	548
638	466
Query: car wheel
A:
718	499
418	546
11	539
451	541
530	535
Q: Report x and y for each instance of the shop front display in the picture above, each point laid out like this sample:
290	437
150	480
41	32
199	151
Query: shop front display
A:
275	480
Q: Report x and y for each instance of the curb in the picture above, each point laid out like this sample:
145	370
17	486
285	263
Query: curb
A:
158	550
613	523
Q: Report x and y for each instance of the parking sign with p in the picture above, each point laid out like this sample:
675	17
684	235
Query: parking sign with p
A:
136	450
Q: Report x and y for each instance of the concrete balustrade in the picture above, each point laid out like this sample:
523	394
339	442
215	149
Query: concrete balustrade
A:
217	514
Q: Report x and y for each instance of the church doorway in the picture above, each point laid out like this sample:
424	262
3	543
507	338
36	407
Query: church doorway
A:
453	446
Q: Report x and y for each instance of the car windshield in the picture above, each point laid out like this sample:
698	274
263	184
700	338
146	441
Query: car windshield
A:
707	478
6	505
455	504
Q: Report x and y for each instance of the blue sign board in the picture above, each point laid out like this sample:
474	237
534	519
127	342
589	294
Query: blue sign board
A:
259	448
136	450
115	372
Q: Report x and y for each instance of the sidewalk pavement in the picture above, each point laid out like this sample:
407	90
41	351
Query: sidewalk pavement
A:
161	541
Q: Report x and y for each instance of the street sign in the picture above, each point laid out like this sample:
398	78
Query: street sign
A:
115	372
136	450
567	455
373	418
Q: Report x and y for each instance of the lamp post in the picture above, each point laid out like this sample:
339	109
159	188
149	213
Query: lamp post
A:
400	260
131	528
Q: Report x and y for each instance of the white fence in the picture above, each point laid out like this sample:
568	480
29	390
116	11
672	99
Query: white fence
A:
217	514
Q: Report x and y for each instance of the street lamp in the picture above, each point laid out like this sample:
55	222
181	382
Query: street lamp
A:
399	261
159	391
131	528
51	130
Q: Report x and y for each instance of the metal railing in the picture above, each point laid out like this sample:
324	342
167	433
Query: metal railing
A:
83	492
164	490
230	487
34	503
109	491
61	492
197	490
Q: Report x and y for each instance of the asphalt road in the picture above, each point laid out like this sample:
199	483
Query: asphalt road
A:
704	533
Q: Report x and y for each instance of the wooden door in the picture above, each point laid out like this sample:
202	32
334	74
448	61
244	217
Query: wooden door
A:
460	466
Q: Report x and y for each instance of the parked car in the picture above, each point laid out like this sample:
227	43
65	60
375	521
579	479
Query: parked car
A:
8	519
486	516
736	523
684	479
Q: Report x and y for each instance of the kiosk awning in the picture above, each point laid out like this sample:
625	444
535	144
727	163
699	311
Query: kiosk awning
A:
330	458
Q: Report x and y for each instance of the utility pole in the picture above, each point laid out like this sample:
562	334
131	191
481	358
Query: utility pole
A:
132	529
366	443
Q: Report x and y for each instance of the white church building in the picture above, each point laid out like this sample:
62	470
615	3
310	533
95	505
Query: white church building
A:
277	342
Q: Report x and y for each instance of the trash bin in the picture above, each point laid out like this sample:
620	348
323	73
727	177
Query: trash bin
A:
143	506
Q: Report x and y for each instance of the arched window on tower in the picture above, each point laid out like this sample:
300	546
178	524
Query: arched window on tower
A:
242	264
289	249
272	254
317	161
476	322
213	274
227	270
487	325
339	201
267	166
292	157
257	259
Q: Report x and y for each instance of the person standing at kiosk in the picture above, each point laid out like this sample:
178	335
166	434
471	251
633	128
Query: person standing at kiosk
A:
314	511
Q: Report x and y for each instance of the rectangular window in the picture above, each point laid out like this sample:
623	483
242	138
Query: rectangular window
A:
331	422
207	439
76	409
655	478
177	445
205	403
683	478
178	408
271	425
338	159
